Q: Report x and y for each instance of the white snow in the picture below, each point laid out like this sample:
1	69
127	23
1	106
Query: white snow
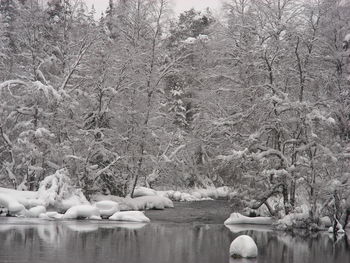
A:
149	202
56	190
12	205
131	216
204	38
36	211
290	219
237	218
188	196
325	221
107	207
177	196
347	38
189	40
144	191
223	191
26	198
81	211
243	246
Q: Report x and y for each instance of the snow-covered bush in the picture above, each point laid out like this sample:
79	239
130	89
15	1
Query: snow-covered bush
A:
57	191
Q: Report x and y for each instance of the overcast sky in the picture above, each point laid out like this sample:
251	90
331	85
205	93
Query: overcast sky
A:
179	5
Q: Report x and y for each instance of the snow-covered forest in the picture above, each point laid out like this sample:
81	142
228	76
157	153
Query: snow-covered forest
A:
256	98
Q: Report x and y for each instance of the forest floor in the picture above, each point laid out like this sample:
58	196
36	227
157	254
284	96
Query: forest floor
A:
208	212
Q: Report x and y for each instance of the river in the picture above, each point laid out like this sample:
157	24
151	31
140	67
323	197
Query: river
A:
190	233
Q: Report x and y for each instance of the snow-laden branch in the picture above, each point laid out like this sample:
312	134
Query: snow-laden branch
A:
266	152
83	49
171	157
101	171
9	83
234	156
6	138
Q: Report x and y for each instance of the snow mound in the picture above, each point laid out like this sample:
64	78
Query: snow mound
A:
11	204
131	216
177	196
149	202
243	246
81	211
144	191
237	218
36	211
26	198
107	207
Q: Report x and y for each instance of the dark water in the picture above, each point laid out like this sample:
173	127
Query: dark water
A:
82	242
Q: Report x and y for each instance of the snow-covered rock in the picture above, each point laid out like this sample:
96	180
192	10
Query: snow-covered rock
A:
36	211
131	216
243	246
76	199
330	229
81	211
237	218
144	191
107	207
177	196
11	204
27	198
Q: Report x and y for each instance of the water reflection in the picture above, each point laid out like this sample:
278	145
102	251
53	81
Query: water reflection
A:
84	241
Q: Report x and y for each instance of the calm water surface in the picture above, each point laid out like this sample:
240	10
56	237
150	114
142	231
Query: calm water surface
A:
35	241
